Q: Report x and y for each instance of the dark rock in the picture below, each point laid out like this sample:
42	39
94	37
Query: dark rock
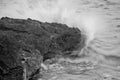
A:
27	43
69	40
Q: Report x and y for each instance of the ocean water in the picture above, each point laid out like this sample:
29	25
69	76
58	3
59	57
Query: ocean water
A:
98	19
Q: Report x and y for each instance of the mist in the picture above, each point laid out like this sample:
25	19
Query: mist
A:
70	12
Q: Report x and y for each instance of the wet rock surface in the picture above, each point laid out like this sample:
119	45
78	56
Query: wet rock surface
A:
25	44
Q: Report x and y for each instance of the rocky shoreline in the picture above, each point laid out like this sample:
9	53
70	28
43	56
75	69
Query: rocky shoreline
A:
25	44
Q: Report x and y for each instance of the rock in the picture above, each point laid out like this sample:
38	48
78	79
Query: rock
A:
27	43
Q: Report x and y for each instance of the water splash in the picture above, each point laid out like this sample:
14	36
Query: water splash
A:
98	19
53	11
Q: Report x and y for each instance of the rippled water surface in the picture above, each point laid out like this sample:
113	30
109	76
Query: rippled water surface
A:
99	20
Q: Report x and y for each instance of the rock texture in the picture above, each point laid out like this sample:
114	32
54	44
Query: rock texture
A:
25	44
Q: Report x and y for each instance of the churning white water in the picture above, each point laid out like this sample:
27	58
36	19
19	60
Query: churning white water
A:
99	20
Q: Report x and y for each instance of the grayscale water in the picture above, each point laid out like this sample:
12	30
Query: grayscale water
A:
99	20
